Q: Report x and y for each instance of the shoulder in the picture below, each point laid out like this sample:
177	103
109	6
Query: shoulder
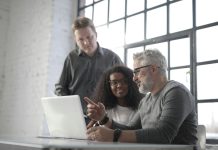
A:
110	56
71	57
73	54
174	85
177	92
106	51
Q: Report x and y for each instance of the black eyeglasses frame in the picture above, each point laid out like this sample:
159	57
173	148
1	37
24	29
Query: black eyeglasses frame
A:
137	70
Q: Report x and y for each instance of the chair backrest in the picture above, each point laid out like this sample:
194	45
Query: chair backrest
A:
201	134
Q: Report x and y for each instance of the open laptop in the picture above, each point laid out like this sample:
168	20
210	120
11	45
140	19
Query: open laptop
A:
64	116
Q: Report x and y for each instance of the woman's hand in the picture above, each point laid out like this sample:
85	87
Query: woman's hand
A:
95	111
100	134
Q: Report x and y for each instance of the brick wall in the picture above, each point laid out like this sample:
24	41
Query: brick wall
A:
38	38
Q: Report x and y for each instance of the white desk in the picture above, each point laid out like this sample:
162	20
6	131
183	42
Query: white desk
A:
31	143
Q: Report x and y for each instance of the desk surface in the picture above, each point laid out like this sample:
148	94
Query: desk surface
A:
33	143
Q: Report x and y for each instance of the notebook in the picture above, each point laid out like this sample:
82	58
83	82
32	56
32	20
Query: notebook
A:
64	116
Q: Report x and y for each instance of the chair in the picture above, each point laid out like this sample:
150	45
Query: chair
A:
201	135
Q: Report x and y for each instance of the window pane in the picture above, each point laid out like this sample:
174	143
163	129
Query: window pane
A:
116	32
130	53
103	36
87	12
100	13
120	52
205	11
162	47
156	22
180	19
207	44
117	9
152	3
134	7
207	81
85	2
180	52
182	76
135	33
207	115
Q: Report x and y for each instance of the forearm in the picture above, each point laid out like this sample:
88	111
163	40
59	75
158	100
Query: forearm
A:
109	123
128	136
60	90
114	125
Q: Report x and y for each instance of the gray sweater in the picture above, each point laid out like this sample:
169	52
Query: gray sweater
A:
169	117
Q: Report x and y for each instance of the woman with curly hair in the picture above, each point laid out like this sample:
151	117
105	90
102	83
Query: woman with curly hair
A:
117	91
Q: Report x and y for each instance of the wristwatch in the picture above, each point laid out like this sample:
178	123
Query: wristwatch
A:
104	120
117	133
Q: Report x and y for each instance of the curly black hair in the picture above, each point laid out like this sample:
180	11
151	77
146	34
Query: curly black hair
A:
104	94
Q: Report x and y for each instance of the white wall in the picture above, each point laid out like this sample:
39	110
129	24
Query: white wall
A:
4	13
37	37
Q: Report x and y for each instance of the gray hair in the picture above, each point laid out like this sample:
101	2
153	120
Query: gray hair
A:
151	56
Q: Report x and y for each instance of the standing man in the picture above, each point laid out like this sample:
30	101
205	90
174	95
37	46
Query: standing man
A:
84	65
167	113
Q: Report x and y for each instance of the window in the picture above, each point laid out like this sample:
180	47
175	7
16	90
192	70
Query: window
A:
130	53
207	81
205	12
135	28
185	31
180	15
152	3
156	18
100	13
134	7
117	9
207	44
180	52
209	118
116	28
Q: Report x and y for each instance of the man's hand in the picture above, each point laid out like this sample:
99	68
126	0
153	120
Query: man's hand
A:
100	134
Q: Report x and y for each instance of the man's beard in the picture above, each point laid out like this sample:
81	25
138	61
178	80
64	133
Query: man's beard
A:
146	85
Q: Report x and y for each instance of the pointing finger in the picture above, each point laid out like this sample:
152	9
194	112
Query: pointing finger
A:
89	101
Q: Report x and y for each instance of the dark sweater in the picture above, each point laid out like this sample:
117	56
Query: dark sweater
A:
168	117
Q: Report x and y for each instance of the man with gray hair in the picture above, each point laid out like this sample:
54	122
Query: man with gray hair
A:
167	113
148	60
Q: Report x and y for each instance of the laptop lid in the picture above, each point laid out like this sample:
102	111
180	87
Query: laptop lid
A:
64	116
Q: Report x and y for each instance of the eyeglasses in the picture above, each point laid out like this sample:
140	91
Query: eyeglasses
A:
137	70
116	82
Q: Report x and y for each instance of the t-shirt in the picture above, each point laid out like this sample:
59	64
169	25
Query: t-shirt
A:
122	115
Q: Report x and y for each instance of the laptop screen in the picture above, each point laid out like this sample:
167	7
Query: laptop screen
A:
64	116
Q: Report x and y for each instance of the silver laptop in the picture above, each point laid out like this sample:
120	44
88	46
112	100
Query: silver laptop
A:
64	116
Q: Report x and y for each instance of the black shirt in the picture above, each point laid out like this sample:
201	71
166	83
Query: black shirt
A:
81	72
